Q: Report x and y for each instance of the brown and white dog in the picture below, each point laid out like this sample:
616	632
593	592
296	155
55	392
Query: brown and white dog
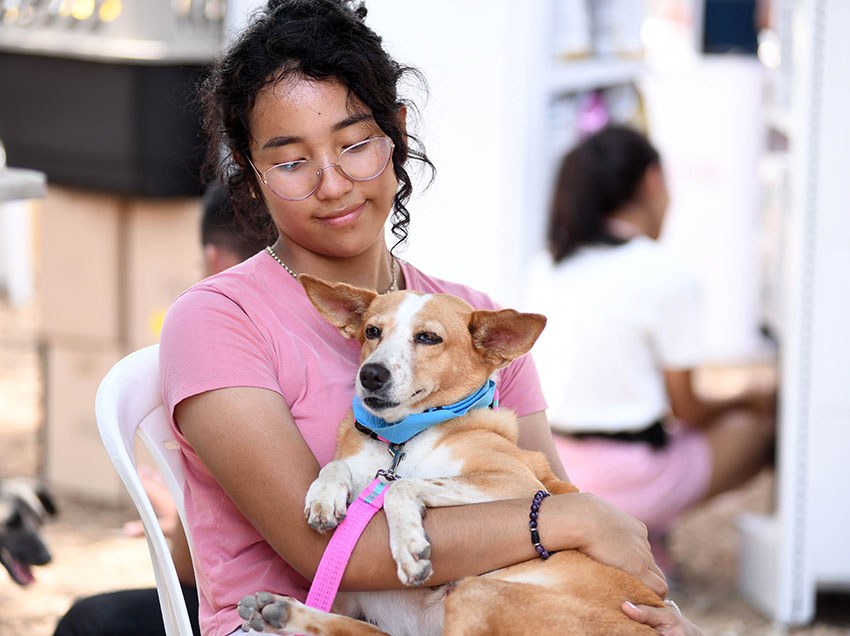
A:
24	505
421	351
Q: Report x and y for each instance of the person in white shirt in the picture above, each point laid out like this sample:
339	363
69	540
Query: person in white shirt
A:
617	357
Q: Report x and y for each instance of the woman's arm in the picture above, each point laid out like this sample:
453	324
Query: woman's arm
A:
697	411
248	440
619	540
535	434
179	547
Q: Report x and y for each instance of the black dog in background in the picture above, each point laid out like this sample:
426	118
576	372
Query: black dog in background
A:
24	506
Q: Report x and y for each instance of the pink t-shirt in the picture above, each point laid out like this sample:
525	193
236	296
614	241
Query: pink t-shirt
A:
253	325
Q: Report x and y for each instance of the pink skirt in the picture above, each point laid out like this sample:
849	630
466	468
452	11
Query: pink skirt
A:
654	486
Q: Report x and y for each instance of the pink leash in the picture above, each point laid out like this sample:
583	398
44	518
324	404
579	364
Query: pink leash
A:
335	559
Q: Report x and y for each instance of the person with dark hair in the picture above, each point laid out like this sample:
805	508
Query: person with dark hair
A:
137	612
225	244
596	182
622	342
310	132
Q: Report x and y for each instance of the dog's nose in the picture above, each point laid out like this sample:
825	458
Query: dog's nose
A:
374	376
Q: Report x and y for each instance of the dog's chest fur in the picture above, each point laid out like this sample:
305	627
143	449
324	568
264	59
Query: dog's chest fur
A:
424	457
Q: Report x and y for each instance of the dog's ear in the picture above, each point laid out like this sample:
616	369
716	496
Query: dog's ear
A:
46	500
502	336
341	305
30	493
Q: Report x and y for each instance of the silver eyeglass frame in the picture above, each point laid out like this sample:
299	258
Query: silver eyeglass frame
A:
321	170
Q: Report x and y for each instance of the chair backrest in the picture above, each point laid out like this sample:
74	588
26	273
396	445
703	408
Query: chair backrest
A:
129	403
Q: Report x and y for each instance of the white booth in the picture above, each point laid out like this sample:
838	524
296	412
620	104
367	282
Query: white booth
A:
802	547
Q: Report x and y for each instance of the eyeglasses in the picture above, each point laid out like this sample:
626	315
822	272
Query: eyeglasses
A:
297	180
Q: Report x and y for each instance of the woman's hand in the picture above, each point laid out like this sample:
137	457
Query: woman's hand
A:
762	402
163	505
667	621
619	540
607	534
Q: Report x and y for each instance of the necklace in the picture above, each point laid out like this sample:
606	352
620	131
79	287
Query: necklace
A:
393	267
274	255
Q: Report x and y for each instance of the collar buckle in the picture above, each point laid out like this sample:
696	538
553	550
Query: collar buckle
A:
397	453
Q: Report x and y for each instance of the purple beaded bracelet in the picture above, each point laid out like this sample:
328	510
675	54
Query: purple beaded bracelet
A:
539	496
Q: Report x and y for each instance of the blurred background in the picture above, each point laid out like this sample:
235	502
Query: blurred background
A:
746	100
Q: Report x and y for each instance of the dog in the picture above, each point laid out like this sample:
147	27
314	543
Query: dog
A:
421	351
24	506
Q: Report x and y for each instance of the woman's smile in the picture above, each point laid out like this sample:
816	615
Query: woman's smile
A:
344	217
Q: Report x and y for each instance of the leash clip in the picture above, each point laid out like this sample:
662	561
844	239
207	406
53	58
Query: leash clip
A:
397	453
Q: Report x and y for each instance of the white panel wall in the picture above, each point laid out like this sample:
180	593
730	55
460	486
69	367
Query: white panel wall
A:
802	547
706	119
469	225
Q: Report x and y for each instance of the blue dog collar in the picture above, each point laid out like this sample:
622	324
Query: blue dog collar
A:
412	425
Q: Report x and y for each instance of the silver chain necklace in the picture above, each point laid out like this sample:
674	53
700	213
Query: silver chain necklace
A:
393	267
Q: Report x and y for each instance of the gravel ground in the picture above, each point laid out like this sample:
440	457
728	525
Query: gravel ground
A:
92	554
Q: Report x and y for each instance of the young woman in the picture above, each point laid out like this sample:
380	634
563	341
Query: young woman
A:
305	105
622	342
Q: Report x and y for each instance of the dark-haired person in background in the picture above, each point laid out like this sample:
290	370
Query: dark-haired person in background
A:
224	242
617	357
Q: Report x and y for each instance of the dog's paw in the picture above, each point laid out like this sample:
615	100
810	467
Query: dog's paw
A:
325	506
412	558
327	498
409	544
417	576
264	611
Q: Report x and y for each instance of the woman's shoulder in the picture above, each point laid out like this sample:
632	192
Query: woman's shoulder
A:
250	291
639	267
249	273
658	274
644	249
660	258
417	280
250	278
641	258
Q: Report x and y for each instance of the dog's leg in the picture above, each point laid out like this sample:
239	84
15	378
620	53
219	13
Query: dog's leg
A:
544	601
409	544
273	614
327	498
569	593
405	505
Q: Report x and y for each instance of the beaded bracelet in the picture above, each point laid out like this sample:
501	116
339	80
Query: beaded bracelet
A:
532	524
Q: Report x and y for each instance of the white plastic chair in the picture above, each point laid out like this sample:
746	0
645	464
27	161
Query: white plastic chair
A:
129	403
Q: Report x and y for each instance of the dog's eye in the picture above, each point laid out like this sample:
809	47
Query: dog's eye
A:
372	332
15	521
427	338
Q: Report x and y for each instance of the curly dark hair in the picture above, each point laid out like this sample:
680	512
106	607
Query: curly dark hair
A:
319	40
596	178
